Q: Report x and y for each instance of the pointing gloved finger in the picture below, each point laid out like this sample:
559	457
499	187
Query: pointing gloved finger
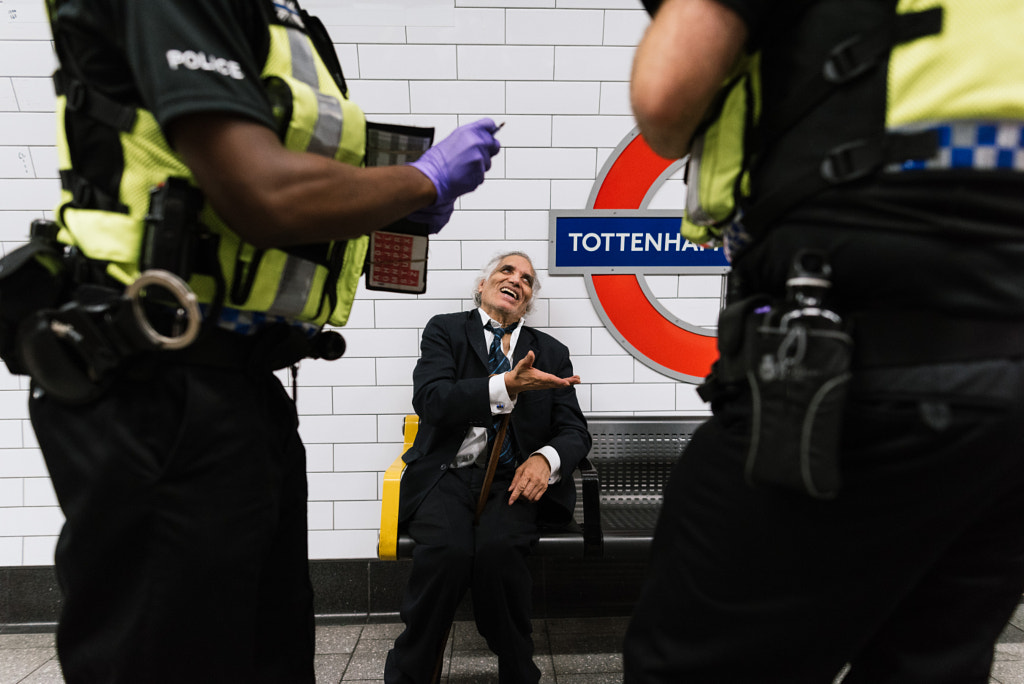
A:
457	164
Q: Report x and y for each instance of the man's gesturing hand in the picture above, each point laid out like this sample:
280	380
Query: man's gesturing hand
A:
524	377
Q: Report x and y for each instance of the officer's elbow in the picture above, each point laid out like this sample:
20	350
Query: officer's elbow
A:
665	126
258	223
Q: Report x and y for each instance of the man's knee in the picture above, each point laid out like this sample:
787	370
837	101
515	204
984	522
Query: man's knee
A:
450	559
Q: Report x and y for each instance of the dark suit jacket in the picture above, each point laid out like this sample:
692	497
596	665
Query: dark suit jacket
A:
450	396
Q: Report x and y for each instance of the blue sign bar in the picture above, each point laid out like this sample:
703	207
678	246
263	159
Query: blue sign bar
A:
626	241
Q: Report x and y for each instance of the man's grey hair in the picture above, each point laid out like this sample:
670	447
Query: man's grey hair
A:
490	267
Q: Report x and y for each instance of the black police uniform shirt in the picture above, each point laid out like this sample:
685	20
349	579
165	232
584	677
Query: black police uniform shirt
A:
946	241
172	57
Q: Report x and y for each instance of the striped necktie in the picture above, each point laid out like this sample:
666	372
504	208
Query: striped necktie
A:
497	362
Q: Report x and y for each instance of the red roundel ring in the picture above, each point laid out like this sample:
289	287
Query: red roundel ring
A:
661	342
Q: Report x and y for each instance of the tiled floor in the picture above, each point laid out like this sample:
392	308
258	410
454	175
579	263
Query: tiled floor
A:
576	651
570	651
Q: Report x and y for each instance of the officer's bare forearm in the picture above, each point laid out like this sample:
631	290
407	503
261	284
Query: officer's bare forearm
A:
685	55
274	197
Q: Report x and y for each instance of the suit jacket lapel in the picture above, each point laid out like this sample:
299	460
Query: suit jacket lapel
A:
475	336
527	341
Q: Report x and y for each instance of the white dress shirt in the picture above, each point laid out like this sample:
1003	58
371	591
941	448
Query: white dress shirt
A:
475	444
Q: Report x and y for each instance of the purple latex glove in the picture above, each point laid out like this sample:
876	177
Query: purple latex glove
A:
434	217
456	165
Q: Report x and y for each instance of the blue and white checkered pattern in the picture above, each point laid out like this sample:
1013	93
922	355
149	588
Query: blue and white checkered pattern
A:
251	322
983	146
735	237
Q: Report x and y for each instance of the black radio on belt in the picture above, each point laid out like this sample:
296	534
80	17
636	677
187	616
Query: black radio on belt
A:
172	225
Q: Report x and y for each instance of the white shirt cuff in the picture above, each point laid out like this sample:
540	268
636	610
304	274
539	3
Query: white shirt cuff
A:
554	461
501	403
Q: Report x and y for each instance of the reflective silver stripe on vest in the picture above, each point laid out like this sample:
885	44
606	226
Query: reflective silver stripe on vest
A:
303	64
327	132
293	289
297	277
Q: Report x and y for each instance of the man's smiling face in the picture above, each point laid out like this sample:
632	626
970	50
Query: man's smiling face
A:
506	293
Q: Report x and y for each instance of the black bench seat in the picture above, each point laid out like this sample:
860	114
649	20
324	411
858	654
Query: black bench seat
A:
619	489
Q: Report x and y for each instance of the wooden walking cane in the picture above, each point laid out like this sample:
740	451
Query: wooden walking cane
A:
492	465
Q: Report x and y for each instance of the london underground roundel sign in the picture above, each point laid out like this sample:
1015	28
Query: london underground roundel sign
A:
616	241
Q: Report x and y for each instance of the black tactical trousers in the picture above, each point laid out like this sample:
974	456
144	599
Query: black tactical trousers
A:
909	575
184	553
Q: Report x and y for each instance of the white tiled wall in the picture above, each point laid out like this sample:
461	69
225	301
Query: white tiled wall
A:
555	71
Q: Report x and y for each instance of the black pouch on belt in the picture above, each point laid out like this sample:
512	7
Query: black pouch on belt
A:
31	279
728	375
72	352
798	379
798	360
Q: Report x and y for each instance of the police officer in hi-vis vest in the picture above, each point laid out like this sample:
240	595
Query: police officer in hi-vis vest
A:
856	502
213	220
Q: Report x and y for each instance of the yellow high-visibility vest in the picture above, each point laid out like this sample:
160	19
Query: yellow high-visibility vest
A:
938	61
316	284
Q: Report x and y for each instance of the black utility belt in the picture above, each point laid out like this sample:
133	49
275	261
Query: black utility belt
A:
795	364
910	338
273	347
74	337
